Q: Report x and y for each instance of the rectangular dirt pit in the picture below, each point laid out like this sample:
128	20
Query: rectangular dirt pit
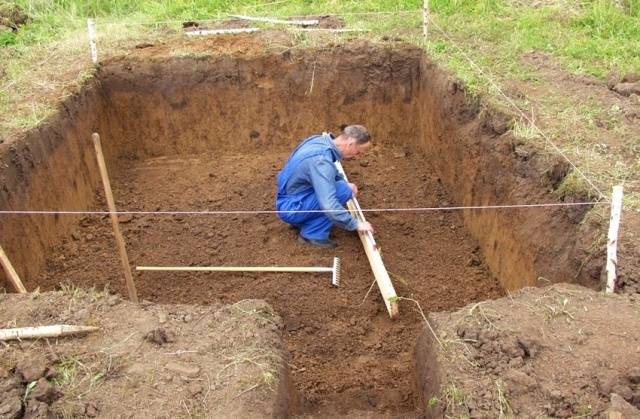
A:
209	131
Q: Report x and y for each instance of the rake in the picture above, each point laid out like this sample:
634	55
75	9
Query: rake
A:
335	269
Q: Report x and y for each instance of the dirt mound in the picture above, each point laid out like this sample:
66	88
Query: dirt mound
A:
12	16
165	361
563	351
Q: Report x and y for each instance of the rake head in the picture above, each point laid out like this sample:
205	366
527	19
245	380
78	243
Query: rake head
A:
335	281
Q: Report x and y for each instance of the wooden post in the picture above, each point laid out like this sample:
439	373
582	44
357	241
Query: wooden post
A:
385	285
612	241
44	331
91	29
131	288
425	18
10	273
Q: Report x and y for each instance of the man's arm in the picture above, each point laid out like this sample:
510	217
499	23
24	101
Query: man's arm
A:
322	175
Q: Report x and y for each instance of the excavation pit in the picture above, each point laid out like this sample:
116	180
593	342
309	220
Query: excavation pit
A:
209	130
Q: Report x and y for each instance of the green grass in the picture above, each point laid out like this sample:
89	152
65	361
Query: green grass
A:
590	37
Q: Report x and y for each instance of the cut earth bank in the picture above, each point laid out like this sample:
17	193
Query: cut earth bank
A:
205	125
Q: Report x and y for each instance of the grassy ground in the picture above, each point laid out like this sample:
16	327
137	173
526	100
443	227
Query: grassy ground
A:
48	58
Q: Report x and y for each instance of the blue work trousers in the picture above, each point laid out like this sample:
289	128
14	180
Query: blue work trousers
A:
312	225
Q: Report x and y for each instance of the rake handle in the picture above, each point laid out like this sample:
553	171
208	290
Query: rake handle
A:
235	268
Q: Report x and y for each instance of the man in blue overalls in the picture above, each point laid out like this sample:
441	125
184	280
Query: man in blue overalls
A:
310	181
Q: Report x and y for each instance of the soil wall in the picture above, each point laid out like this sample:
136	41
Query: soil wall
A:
52	168
145	106
476	158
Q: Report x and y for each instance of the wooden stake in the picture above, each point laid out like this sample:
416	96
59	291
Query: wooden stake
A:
612	242
44	331
425	18
385	285
91	29
131	288
11	273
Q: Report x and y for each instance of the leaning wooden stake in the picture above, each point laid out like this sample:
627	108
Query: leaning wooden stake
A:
612	242
91	30
131	288
389	295
44	331
11	273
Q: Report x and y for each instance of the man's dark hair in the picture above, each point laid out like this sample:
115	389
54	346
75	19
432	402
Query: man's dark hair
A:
357	132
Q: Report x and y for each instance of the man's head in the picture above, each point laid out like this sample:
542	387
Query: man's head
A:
353	142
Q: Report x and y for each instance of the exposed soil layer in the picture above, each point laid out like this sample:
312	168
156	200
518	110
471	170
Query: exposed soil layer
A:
146	360
345	354
208	129
562	351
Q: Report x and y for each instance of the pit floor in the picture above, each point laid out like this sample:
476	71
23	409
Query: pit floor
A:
346	355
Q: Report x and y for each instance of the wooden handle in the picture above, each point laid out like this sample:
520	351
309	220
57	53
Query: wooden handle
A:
11	273
383	280
131	288
235	268
356	211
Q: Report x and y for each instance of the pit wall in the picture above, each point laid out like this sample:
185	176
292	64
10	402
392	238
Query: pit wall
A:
475	156
145	107
51	168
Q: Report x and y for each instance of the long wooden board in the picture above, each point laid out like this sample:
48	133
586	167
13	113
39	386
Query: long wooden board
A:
380	273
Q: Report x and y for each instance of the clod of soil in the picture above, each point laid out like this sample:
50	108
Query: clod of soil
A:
560	352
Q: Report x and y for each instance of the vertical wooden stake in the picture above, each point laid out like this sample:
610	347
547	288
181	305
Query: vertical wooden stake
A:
131	288
91	29
612	241
11	273
425	18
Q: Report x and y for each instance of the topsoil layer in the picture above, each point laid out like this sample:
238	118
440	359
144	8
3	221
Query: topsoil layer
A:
346	355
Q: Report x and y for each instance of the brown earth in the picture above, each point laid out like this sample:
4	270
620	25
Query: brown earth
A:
160	361
598	110
220	94
346	355
561	351
206	124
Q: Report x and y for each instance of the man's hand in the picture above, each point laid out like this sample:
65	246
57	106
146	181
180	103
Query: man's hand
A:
365	226
354	188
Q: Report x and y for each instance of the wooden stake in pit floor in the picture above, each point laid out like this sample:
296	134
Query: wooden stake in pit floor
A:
10	273
131	288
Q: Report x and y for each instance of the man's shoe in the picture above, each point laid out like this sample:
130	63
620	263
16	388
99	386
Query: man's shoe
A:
326	243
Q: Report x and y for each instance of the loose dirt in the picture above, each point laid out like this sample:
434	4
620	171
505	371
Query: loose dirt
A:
157	361
561	351
345	354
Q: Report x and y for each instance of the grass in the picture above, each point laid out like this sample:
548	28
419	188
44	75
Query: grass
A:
48	58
